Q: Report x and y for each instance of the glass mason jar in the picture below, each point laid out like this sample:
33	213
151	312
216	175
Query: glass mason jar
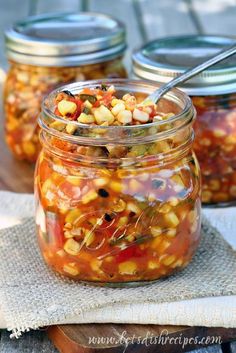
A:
118	205
43	55
213	93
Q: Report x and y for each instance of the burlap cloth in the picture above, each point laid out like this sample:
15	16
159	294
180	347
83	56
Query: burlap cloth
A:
32	296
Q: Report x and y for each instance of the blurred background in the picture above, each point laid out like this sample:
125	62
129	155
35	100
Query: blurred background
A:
145	19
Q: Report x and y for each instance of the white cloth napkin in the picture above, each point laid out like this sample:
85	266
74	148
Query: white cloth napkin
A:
214	311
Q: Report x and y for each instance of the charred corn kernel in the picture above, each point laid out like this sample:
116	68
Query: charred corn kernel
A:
124	117
89	237
72	247
90	196
219	133
103	114
58	125
171	233
173	201
118	108
116	186
119	206
74	180
167	260
232	190
164	245
122	221
101	182
71	269
214	184
171	219
132	207
140	116
86	118
66	107
206	196
73	216
165	208
153	265
127	268
70	128
28	148
134	185
155	231
205	141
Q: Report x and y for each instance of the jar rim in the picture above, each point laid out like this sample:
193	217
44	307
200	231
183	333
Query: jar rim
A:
118	134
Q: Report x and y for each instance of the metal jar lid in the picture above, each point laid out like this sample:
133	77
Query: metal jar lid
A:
163	59
70	39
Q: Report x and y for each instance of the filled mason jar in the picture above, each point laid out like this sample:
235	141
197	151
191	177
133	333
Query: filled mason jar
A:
213	93
47	51
117	184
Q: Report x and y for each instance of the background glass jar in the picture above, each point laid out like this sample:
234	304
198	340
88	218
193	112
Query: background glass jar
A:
43	55
214	96
118	204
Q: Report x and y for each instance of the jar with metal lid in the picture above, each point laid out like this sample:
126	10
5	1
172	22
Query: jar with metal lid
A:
117	204
214	95
50	50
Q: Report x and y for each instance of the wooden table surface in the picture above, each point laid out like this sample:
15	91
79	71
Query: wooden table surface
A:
145	20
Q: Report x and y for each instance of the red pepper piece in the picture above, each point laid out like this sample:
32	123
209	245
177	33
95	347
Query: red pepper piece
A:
131	251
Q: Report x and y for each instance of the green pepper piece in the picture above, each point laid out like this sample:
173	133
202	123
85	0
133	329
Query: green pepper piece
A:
88	97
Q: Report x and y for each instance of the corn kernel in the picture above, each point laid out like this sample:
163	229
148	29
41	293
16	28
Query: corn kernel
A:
177	263
167	260
74	180
156	242
87	104
171	232
116	186
153	265
119	206
171	219
165	208
101	182
72	247
219	133
28	148
140	116
127	268
89	237
66	107
155	231
90	196
103	114
95	265
58	125
71	269
86	118
124	117
173	201
164	245
132	207
73	216
206	196
115	101
122	221
70	128
118	108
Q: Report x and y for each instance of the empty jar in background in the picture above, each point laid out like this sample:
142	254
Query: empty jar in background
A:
213	93
47	51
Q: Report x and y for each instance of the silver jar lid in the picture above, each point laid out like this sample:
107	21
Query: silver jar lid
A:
163	59
70	39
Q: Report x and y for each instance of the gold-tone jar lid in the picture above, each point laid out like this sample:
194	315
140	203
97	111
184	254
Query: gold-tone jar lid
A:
70	39
163	59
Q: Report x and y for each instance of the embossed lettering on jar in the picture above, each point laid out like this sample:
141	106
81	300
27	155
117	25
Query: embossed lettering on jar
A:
43	55
119	205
